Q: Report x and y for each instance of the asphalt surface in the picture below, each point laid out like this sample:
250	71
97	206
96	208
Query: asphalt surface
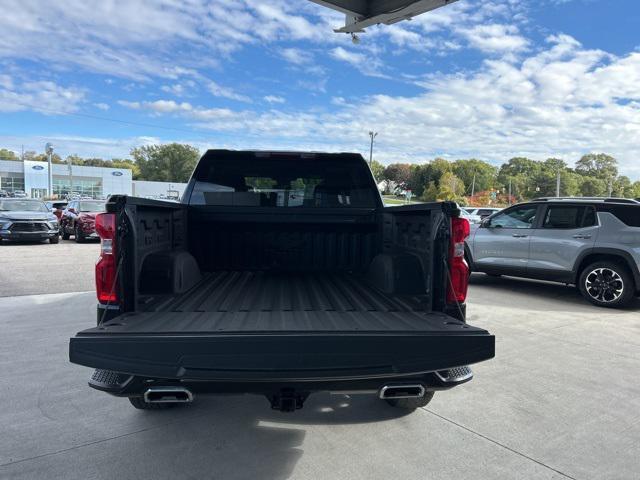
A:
560	400
34	268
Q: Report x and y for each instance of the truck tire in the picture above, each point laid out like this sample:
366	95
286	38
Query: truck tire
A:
78	235
140	404
607	284
411	403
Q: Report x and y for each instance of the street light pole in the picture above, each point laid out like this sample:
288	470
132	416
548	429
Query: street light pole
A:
558	184
373	135
49	150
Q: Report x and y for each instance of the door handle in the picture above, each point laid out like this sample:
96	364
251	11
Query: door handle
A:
519	235
583	236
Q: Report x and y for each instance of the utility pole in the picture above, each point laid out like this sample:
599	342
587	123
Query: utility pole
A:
509	190
609	187
373	135
558	184
473	184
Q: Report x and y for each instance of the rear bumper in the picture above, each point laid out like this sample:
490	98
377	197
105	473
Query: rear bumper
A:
278	358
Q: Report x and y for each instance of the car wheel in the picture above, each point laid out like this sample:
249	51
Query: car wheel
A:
140	404
607	284
55	239
411	403
78	235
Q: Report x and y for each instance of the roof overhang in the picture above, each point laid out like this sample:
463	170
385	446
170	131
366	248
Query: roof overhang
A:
364	13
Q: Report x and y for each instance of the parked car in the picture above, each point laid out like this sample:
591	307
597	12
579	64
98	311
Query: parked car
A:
19	194
591	243
240	290
472	218
483	212
27	220
4	194
78	219
56	207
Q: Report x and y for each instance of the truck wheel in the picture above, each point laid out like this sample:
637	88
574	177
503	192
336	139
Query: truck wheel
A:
607	284
140	404
55	239
78	235
411	403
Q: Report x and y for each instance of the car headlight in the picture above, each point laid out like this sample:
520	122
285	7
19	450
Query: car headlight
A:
4	223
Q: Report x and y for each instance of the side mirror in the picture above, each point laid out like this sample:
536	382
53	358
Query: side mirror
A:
486	223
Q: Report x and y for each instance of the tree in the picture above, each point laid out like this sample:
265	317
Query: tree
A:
8	154
593	187
622	187
598	165
127	163
477	175
523	174
173	162
451	188
430	193
378	170
398	173
635	192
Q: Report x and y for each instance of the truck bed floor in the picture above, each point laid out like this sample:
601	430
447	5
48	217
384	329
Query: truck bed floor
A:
244	302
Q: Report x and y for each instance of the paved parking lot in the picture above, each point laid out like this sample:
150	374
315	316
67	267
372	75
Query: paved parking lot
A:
560	400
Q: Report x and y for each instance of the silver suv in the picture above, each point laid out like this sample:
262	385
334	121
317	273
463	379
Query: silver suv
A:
593	243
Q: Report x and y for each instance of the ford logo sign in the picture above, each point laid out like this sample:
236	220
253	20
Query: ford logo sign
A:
116	174
38	167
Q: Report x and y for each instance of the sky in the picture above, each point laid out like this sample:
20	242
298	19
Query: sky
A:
477	78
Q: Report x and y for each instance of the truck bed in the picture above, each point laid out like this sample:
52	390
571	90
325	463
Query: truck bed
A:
281	326
233	301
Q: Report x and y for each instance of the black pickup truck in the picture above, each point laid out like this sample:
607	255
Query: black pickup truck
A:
280	274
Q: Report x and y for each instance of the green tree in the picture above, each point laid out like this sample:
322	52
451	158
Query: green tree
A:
127	163
451	188
173	162
378	170
523	174
593	187
635	190
598	165
8	154
430	194
622	187
477	175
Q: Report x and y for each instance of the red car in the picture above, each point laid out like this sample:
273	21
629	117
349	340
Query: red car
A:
78	219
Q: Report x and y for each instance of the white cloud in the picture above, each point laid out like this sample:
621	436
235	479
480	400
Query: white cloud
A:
218	90
296	56
102	106
562	101
274	99
496	38
41	96
366	64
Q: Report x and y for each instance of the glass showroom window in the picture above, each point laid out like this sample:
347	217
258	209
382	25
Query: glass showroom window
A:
11	184
90	187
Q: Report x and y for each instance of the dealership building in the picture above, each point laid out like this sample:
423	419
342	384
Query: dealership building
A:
96	182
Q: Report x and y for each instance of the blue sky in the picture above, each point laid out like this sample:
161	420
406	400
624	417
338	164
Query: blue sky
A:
485	79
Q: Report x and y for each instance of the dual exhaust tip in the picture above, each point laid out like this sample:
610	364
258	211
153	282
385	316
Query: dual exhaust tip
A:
168	395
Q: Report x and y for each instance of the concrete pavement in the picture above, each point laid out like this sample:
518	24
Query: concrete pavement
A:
560	400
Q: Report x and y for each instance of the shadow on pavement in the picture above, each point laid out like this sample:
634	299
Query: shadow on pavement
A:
540	290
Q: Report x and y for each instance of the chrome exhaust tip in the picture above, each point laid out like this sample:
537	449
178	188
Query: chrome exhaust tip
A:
402	391
168	395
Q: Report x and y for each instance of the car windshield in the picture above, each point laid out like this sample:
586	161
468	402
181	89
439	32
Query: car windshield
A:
92	206
22	206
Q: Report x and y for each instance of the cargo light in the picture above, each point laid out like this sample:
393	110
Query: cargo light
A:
106	267
458	268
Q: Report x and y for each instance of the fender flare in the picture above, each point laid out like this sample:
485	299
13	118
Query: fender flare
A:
614	252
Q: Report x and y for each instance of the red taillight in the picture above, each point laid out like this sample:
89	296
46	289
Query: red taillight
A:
458	268
106	267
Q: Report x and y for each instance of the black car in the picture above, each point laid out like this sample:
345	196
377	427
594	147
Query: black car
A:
27	220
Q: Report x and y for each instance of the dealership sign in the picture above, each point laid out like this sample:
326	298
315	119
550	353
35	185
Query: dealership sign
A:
38	167
116	174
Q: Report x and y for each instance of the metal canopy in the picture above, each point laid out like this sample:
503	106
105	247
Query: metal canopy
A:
364	13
